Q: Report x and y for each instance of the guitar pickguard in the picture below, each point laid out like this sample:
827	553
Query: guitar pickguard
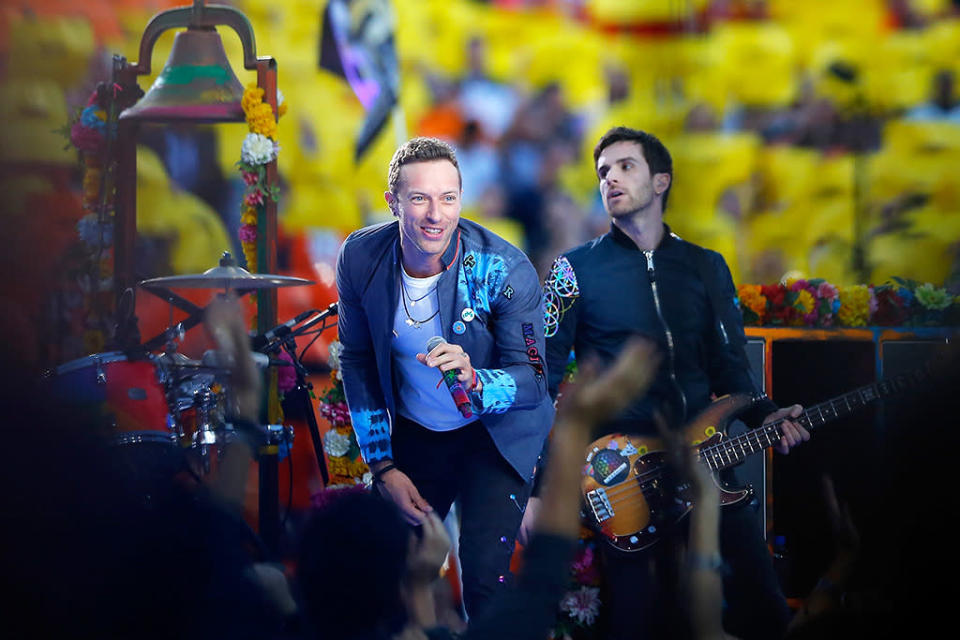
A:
631	495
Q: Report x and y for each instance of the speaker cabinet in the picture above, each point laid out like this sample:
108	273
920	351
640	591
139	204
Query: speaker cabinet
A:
753	471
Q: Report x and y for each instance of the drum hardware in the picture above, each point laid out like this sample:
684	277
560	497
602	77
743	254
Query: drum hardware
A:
169	398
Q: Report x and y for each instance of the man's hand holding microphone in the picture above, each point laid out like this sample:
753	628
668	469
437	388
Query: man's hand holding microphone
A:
460	378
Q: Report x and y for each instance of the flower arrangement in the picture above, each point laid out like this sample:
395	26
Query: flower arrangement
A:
817	303
259	148
346	466
580	605
92	133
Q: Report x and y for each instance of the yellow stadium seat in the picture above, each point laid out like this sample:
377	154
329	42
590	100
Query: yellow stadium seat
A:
56	48
908	254
197	235
706	165
33	111
639	11
758	59
811	24
786	174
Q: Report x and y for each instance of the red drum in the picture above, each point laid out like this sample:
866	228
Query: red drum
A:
125	396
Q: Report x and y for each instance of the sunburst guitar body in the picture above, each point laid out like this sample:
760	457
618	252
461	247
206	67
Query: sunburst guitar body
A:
630	492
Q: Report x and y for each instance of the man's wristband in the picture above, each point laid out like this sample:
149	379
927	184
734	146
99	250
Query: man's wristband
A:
476	386
379	473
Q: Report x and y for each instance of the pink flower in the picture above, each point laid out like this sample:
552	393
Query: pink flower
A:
248	233
336	413
584	566
826	291
249	178
286	376
86	139
253	198
799	285
582	605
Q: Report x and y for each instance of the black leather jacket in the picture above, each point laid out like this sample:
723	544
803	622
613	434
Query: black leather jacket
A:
603	292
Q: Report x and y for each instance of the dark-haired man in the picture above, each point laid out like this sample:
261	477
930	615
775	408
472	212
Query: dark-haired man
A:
430	273
640	278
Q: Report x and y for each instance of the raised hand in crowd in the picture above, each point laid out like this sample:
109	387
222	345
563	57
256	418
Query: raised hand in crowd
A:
828	594
426	555
224	323
702	578
588	401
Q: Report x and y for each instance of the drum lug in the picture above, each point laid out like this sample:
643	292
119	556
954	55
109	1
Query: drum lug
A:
101	376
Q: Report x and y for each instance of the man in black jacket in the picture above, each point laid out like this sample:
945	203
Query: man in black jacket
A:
640	278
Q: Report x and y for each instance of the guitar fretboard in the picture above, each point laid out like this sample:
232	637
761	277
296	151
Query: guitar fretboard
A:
732	451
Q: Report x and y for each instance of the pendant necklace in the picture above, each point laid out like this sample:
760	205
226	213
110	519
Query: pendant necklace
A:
410	321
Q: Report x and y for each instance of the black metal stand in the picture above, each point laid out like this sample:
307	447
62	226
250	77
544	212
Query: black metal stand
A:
269	505
269	488
302	396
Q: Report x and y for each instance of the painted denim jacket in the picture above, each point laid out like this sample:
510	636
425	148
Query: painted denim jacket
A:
504	339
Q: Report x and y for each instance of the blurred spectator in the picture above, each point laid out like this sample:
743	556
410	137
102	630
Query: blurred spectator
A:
943	104
489	103
479	163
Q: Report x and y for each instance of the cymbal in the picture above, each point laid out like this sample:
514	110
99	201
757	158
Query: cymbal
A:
225	277
179	361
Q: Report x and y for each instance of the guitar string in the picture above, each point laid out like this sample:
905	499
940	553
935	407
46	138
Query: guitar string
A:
643	480
643	477
725	448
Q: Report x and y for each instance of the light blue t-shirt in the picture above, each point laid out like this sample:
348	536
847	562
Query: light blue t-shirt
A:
419	398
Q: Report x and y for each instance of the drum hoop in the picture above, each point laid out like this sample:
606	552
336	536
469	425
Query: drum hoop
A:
139	437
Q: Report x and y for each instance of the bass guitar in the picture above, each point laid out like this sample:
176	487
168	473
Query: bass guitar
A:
631	493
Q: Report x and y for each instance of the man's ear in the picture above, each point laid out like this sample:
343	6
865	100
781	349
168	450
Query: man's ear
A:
391	202
661	182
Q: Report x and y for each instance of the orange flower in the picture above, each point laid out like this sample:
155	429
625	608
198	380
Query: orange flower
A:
751	298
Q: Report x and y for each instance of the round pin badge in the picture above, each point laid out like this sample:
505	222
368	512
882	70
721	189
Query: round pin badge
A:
468	314
459	328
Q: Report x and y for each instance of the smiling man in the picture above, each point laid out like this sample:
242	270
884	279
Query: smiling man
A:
640	278
430	277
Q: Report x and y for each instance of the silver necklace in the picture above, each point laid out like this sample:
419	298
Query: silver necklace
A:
411	321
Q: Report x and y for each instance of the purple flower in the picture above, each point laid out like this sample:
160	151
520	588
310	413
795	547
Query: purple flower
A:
248	233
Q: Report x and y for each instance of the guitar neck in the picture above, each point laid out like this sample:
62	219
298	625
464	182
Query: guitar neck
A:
732	451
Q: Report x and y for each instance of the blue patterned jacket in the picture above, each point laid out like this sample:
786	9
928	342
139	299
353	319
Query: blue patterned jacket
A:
505	340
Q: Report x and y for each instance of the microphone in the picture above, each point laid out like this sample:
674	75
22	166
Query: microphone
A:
279	331
459	394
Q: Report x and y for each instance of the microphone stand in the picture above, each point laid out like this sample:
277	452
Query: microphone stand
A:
301	397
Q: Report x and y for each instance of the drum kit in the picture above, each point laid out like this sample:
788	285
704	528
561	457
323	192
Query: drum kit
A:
142	395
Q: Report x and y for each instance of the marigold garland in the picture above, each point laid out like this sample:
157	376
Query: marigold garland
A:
92	132
259	148
345	464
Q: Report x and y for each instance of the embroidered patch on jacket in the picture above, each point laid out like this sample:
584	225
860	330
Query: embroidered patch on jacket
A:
480	279
508	292
533	354
560	289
